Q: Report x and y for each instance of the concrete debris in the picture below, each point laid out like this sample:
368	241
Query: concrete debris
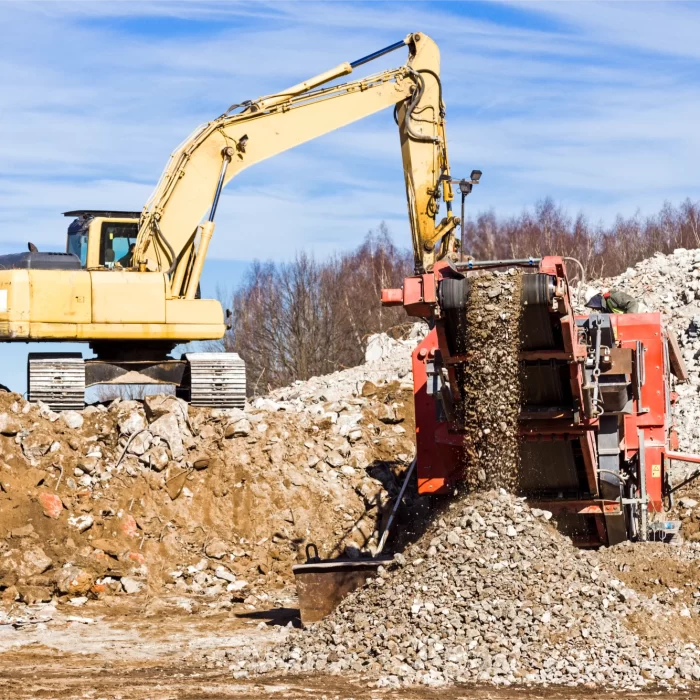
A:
460	606
119	493
74	581
168	428
132	423
33	561
81	522
241	428
216	549
131	585
72	419
51	504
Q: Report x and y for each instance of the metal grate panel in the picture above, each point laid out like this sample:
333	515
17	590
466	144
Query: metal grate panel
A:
217	379
56	379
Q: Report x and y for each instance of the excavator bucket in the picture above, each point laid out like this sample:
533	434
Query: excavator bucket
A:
322	584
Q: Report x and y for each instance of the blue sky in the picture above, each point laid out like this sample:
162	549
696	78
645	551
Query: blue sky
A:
593	104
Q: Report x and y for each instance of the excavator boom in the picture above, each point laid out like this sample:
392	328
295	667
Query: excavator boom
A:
177	222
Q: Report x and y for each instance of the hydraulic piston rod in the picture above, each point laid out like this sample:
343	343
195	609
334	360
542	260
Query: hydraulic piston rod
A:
207	230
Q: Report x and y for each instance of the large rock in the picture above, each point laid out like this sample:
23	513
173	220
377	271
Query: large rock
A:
132	423
156	458
36	445
73	580
380	346
81	522
9	425
216	549
167	428
34	561
32	595
112	547
51	504
140	443
161	405
131	585
241	428
72	419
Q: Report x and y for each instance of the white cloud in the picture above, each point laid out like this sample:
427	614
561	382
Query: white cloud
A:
657	27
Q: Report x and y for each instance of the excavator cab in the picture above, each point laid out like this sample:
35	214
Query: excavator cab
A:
102	239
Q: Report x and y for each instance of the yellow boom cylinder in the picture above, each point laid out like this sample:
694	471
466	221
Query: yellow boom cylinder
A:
206	232
338	72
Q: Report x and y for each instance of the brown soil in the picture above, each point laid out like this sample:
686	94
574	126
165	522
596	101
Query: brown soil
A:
256	494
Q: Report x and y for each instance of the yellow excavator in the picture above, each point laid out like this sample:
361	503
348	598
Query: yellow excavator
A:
128	282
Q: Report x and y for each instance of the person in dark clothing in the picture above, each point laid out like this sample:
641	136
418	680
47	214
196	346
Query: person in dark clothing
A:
127	260
614	301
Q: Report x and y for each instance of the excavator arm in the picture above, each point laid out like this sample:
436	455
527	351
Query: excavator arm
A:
177	222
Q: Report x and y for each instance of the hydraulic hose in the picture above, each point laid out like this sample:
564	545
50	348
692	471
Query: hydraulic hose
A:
583	277
164	240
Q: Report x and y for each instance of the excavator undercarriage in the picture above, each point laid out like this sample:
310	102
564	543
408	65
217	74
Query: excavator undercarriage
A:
211	379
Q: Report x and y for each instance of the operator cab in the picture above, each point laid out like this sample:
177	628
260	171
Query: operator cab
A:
102	238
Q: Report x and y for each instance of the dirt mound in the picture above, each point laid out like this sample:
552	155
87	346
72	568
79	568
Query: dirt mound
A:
208	507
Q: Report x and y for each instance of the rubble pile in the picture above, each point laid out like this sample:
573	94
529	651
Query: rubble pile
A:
671	284
203	505
491	593
490	379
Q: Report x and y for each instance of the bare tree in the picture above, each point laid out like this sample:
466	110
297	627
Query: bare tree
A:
549	230
303	318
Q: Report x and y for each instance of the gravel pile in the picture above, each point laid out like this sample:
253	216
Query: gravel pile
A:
671	284
491	381
491	593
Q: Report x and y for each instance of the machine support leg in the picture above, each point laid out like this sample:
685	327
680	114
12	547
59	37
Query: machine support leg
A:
397	503
643	509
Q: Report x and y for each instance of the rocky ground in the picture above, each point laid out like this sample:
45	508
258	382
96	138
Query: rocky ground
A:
146	550
493	593
200	508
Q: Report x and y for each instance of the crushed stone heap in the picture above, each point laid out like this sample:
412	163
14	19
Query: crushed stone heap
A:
670	284
490	593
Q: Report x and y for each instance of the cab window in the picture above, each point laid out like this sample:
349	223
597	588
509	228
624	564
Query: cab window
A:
78	244
117	244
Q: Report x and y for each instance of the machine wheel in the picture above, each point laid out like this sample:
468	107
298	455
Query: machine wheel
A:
56	379
216	379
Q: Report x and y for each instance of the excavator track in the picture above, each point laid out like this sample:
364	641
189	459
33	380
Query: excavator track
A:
56	379
217	379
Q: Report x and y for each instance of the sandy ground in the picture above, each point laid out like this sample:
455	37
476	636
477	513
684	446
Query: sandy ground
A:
112	653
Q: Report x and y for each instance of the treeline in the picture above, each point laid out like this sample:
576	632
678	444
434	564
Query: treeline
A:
603	251
308	317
